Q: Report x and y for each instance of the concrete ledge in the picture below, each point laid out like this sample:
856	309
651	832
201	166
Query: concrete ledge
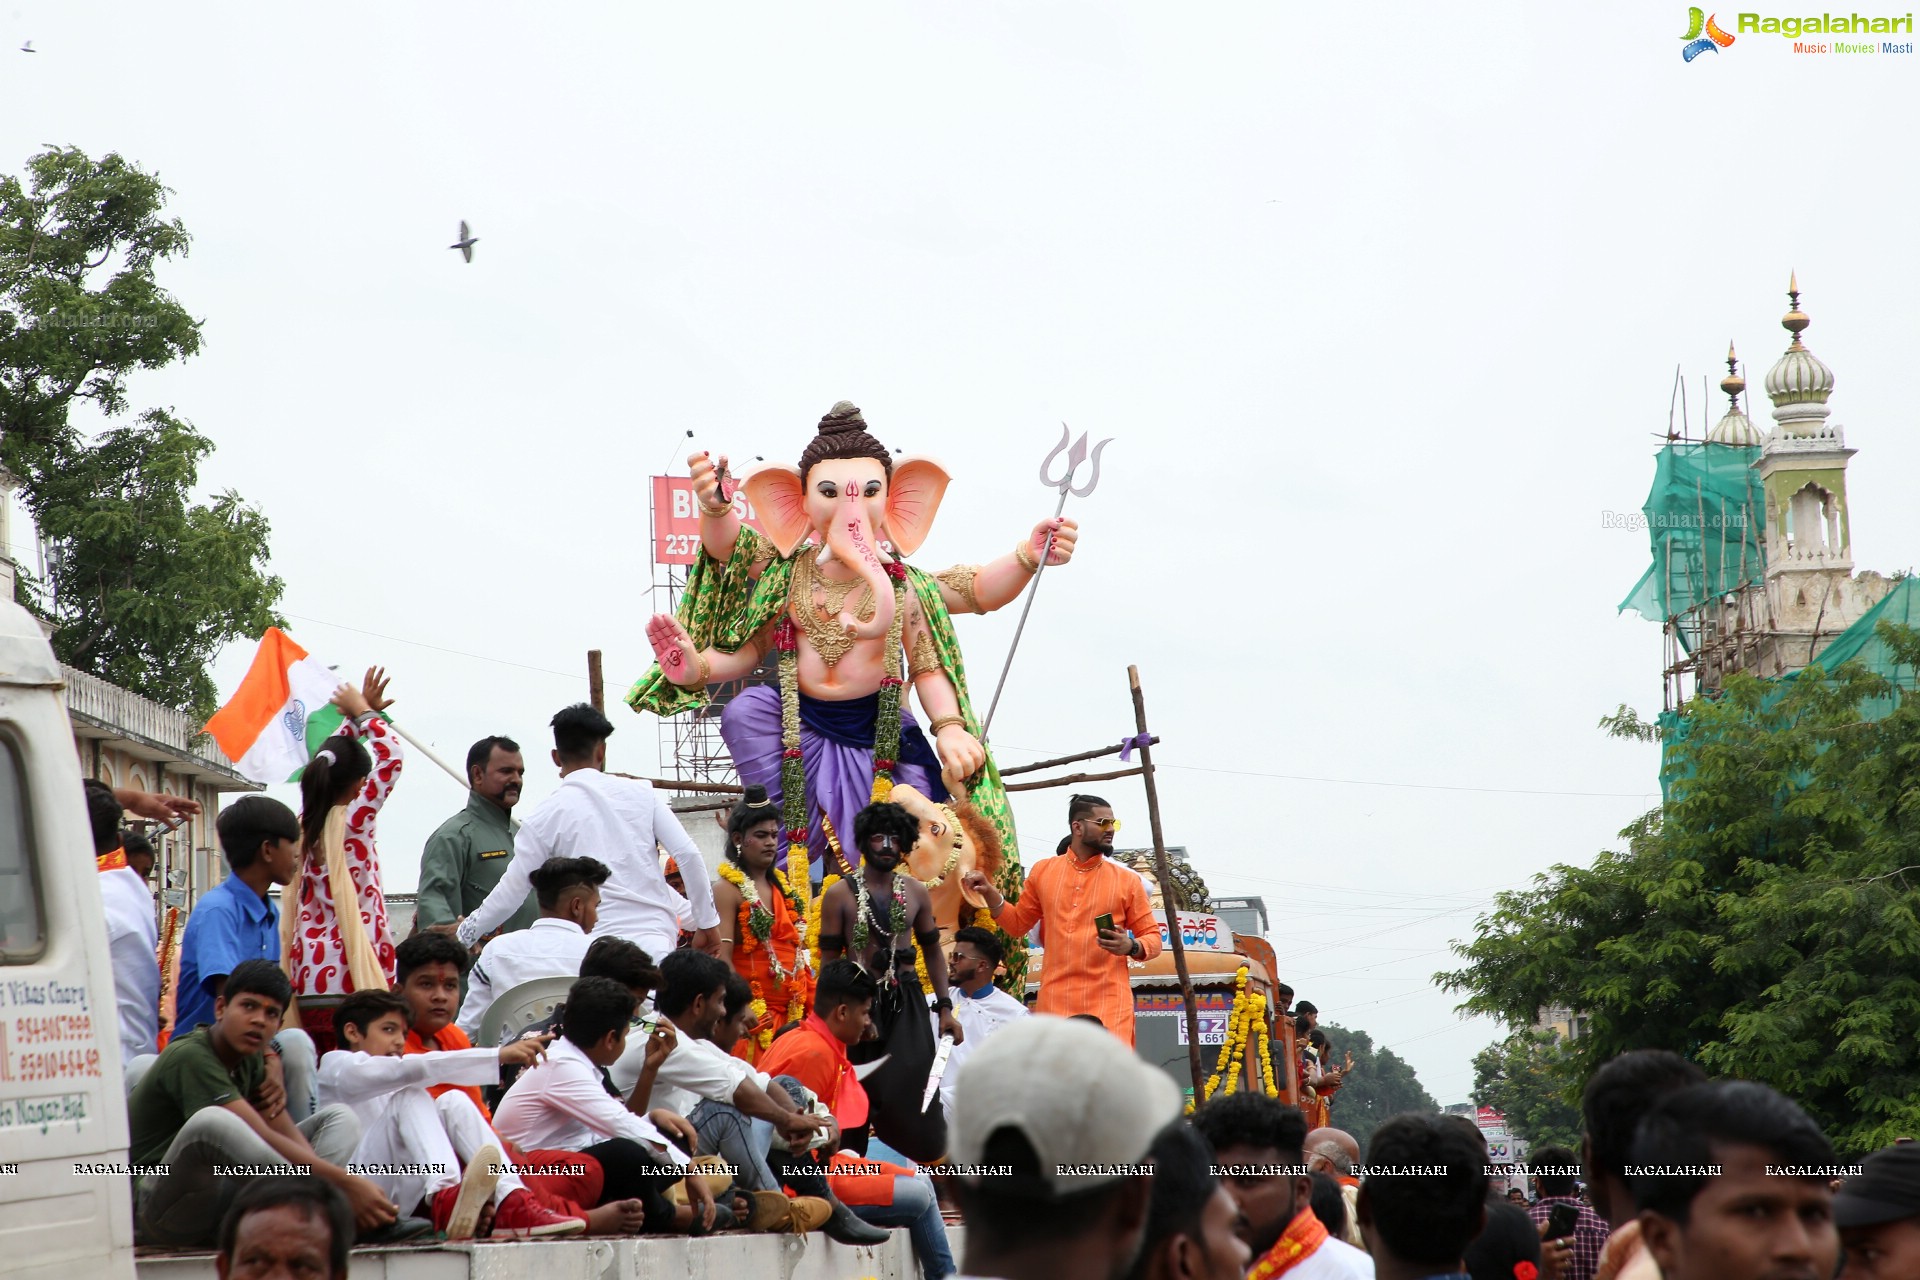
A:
725	1257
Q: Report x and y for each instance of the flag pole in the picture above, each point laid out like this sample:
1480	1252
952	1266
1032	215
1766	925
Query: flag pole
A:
427	751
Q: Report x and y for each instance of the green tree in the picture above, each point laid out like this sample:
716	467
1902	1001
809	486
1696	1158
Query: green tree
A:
79	305
147	585
1381	1085
1529	1078
1763	922
143	584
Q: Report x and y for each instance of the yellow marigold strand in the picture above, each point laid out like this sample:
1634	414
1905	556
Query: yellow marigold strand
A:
920	966
813	920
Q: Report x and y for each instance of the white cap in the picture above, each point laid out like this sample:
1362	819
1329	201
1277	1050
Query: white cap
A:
1083	1100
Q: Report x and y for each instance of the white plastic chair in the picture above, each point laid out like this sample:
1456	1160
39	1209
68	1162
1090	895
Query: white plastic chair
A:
518	1008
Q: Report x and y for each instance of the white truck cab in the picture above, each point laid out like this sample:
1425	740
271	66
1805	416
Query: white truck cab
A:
65	1210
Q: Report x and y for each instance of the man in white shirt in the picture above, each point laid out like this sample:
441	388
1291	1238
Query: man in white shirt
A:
1265	1142
978	1006
735	1109
619	821
568	890
560	1104
132	940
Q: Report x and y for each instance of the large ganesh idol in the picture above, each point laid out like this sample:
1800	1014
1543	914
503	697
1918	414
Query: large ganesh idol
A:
829	589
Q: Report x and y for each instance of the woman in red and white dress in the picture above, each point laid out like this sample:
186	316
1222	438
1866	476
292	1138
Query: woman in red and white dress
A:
336	939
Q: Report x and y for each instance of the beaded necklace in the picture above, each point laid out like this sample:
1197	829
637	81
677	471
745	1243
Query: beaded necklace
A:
897	918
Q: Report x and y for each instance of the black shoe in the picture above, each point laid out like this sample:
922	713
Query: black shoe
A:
847	1228
723	1220
396	1231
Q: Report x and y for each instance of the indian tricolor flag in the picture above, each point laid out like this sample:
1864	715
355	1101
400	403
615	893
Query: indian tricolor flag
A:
281	712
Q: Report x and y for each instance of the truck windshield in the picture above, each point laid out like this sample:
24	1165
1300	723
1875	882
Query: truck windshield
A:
23	929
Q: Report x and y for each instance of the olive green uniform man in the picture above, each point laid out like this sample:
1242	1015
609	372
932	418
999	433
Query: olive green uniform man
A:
465	858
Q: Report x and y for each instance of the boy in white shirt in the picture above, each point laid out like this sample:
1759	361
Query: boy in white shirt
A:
568	891
562	1103
413	1145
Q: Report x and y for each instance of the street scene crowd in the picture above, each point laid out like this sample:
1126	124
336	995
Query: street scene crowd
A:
718	1065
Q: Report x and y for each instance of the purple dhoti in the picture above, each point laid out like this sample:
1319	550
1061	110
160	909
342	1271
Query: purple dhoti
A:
836	746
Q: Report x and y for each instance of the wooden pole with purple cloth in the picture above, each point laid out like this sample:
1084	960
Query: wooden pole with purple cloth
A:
1164	870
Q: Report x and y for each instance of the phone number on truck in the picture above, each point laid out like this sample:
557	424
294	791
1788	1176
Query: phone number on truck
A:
50	1064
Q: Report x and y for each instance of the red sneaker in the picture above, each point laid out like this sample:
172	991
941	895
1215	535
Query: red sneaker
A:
456	1210
520	1215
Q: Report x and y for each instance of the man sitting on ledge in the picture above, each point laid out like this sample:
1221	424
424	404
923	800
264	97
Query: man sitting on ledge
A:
193	1115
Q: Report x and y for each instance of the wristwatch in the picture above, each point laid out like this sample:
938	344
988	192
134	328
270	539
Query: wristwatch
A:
1137	951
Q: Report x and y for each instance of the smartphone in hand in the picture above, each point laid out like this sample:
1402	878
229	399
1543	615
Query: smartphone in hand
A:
1104	920
1561	1220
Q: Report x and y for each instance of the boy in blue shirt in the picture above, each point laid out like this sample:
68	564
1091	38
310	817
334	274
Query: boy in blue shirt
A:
234	922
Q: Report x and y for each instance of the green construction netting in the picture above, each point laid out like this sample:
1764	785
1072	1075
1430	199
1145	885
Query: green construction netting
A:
1705	517
1858	643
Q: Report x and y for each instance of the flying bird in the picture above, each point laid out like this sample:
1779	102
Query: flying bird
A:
466	241
28	48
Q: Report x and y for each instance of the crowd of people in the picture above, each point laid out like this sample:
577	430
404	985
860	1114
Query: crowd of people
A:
734	1050
722	1062
1688	1178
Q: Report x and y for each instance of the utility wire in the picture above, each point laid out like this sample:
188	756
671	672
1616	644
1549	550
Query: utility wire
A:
420	644
1367	782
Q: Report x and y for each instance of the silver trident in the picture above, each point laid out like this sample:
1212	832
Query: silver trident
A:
1077	455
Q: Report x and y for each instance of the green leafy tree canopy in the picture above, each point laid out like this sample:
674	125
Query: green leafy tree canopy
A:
1765	923
1530	1078
143	584
79	306
1381	1085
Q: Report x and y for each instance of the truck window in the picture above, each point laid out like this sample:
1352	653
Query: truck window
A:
23	926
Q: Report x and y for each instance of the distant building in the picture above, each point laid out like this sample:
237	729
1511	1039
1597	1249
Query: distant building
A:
1245	916
1562	1021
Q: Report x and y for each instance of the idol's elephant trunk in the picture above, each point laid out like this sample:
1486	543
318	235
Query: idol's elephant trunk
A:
852	539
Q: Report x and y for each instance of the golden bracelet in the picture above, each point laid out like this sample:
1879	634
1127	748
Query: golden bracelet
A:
1024	554
941	722
722	509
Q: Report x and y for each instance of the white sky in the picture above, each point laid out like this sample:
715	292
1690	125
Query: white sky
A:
1380	306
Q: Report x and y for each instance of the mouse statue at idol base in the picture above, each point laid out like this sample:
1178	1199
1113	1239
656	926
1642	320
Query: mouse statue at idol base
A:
828	588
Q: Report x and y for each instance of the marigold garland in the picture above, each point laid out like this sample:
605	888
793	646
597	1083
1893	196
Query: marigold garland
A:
920	966
756	919
1266	1059
813	920
763	1033
1247	1020
793	767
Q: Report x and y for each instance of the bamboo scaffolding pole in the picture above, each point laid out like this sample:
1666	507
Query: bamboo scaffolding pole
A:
1070	779
1164	870
1075	758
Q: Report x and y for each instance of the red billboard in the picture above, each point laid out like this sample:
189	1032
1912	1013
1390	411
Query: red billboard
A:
676	519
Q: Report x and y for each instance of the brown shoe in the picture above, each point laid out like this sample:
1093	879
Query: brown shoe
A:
768	1211
809	1213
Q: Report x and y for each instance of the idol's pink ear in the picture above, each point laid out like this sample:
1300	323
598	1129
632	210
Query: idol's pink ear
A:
774	491
913	497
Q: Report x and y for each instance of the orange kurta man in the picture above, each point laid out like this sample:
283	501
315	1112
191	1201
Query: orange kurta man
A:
1064	895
